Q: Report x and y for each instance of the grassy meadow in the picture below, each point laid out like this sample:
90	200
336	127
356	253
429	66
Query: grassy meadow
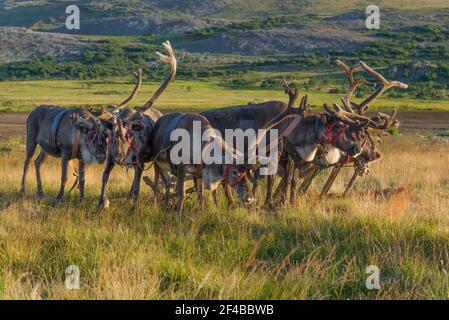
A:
24	96
316	250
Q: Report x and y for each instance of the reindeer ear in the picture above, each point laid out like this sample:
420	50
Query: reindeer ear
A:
83	125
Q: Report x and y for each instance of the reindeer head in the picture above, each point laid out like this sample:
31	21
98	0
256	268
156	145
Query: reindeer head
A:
93	138
234	175
139	127
369	129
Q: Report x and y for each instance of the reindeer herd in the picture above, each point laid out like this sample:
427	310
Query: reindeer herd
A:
308	142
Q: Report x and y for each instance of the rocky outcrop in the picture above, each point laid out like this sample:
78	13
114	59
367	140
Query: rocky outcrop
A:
18	44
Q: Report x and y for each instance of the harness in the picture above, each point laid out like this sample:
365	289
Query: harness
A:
91	137
54	126
240	177
173	121
133	145
329	137
172	125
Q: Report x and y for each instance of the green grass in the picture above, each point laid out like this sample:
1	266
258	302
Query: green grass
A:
23	96
316	250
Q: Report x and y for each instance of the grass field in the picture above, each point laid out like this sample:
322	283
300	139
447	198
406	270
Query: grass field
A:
317	250
24	96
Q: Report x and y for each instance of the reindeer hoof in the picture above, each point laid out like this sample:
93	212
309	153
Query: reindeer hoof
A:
104	203
231	206
39	194
58	201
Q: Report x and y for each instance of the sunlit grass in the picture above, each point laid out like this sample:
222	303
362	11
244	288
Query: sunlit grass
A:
317	250
24	96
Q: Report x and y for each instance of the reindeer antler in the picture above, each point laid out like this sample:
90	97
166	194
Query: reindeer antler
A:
385	85
385	121
292	93
349	118
170	59
353	84
138	75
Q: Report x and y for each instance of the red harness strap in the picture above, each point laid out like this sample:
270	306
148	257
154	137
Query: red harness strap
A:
346	159
240	177
329	137
90	141
134	146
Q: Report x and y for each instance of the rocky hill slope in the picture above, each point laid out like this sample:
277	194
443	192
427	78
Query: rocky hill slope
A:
17	44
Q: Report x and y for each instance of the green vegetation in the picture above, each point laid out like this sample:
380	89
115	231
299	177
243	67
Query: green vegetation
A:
424	67
187	94
317	250
256	24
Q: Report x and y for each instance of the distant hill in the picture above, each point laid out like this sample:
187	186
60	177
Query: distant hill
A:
226	38
119	17
18	44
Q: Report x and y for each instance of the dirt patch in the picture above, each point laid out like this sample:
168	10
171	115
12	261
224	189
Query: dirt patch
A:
13	124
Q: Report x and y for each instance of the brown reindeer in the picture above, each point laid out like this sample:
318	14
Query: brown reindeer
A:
67	134
378	125
131	128
159	150
253	116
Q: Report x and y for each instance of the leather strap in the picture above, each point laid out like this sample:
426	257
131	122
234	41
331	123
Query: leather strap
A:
54	126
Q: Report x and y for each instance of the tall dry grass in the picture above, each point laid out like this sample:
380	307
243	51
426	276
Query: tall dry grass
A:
317	250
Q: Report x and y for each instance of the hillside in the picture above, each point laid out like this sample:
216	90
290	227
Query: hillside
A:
227	39
120	17
19	44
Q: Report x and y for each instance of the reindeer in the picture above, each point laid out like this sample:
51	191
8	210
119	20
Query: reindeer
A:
131	128
252	116
67	134
323	140
158	150
378	125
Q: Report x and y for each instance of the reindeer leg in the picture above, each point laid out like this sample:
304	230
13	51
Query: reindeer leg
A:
308	180
330	181
31	148
167	187
37	164
228	193
65	161
200	190
351	182
286	184
214	197
269	197
256	183
138	170
282	185
103	202
157	176
81	177
293	186
180	189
